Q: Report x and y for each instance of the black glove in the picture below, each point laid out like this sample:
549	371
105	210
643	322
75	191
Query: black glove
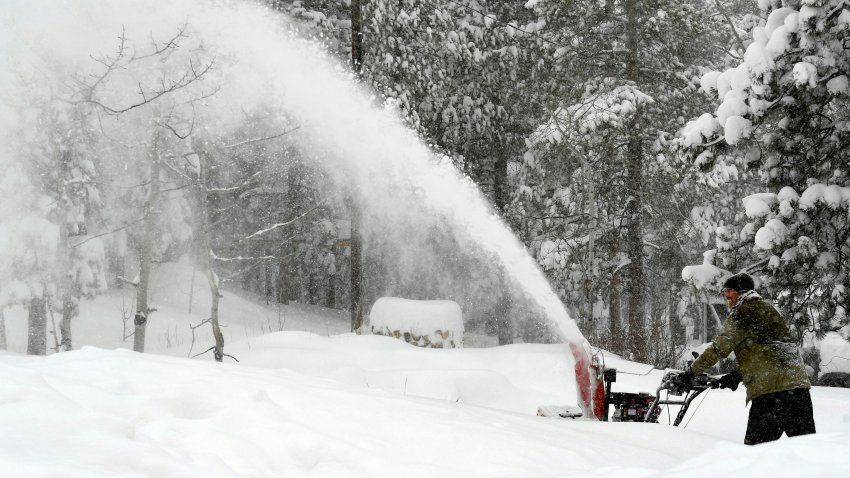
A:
730	380
686	378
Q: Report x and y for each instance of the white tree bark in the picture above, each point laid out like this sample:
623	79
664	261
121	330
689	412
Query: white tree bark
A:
143	309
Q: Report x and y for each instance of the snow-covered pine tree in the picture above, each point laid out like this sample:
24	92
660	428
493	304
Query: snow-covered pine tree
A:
29	243
783	113
56	145
66	168
627	70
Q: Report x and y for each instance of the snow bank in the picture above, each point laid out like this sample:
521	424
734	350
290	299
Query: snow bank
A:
96	413
426	323
835	353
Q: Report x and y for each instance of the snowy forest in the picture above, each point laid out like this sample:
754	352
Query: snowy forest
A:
638	151
424	238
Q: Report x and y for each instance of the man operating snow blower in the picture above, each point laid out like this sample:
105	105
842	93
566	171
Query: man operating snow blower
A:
768	362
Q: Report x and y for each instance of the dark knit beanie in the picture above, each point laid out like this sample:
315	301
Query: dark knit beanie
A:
741	282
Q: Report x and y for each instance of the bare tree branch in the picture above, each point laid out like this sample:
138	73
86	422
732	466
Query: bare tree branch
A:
125	226
257	140
193	327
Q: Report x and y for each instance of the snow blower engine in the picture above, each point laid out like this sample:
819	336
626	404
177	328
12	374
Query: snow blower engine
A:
628	407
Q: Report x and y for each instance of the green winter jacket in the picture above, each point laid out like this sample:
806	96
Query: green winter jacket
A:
768	359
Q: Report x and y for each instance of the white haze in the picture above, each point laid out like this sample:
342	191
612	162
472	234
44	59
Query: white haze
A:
261	66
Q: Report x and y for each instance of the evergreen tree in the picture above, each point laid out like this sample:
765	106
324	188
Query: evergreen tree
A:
783	114
621	75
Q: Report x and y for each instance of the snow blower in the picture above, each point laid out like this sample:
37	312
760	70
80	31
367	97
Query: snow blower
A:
644	407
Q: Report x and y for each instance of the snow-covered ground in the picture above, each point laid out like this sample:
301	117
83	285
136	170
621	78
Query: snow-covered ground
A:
313	400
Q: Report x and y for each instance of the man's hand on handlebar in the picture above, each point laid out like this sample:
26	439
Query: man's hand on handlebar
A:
686	378
730	380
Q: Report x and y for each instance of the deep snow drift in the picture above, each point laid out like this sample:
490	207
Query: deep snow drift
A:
305	405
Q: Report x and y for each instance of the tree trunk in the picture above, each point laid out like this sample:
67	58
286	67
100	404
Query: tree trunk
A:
284	276
634	239
356	272
66	288
37	333
314	286
615	328
70	309
268	281
143	309
218	351
504	328
634	211
356	240
3	345
120	259
65	280
206	242
192	287
330	300
356	36
591	325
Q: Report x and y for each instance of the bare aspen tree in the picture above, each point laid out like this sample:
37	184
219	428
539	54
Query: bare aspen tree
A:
69	303
143	309
202	189
128	62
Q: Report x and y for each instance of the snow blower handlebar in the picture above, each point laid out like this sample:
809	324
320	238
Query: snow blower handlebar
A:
689	387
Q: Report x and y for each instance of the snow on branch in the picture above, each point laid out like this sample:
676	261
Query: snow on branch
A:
282	224
134	283
241	258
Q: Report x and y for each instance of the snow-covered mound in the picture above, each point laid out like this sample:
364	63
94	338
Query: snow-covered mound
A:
429	323
835	353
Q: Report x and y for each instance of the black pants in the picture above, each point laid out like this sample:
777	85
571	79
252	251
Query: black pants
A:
770	415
